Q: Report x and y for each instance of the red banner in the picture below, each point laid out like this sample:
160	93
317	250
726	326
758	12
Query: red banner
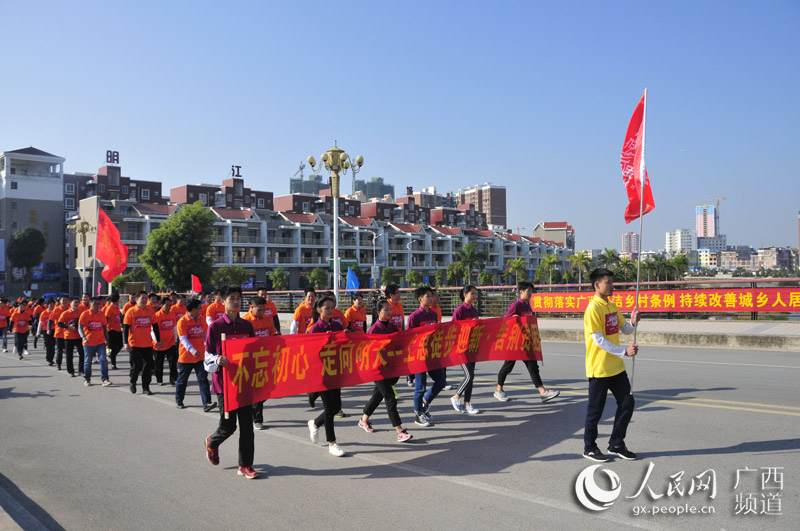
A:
685	300
272	367
633	165
110	250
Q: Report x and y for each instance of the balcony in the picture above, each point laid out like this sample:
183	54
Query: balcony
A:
313	260
313	241
132	236
246	260
398	263
282	241
247	239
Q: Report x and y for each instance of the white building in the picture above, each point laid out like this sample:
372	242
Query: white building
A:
680	241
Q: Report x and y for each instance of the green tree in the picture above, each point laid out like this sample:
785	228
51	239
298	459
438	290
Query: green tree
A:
318	277
548	265
387	276
470	258
413	278
25	250
681	264
485	278
279	279
581	263
441	278
455	272
659	266
648	268
627	268
608	258
230	276
518	266
180	248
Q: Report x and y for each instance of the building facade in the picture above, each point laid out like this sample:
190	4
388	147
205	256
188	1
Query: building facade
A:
489	199
630	243
680	241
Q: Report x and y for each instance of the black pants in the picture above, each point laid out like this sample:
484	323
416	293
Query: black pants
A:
383	391
70	345
620	387
114	345
172	360
21	342
258	412
142	362
60	345
247	447
49	347
332	402
465	387
533	370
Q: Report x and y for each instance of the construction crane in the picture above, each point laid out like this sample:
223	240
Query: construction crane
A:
717	199
300	171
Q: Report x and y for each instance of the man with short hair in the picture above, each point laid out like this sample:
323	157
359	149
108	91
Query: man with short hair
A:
234	327
93	330
216	309
303	314
68	323
5	313
21	320
46	329
602	323
136	327
58	331
191	352
271	312
262	327
114	318
166	322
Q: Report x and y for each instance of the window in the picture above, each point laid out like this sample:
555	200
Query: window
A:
101	187
13	224
260	202
247	199
69	188
155	193
145	193
13	205
229	197
201	197
89	251
305	206
69	203
13	170
124	190
13	185
386	212
351	210
191	195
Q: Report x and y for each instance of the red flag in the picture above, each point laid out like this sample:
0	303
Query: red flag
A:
633	166
197	287
110	250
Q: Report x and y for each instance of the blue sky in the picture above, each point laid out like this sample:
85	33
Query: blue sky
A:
534	96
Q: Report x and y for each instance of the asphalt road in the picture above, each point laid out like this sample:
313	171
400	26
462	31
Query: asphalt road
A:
99	458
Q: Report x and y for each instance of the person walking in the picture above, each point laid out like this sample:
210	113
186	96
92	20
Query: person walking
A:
137	340
466	311
93	329
191	331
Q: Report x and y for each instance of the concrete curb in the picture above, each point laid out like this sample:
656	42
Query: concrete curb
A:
675	339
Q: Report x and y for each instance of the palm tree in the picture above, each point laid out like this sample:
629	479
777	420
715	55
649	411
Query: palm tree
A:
648	267
581	262
517	266
659	266
608	258
626	267
547	263
470	258
681	264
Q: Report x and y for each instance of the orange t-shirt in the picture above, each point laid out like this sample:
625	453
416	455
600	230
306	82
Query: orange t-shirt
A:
270	311
114	317
68	317
93	324
339	317
127	306
438	310
261	325
37	312
166	329
214	311
303	315
357	318
398	315
140	321
5	313
44	317
20	320
82	308
178	312
54	315
195	332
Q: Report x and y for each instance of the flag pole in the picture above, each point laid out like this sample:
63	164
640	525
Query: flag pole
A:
641	169
94	258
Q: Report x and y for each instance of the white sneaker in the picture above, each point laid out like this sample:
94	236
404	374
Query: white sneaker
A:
259	425
501	396
335	450
25	352
313	432
5	350
107	383
87	383
448	387
472	410
456	404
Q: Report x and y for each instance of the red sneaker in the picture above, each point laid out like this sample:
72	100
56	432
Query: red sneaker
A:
248	472
211	453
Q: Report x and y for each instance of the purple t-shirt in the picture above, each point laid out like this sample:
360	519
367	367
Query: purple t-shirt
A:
422	317
232	330
465	312
382	328
321	327
520	307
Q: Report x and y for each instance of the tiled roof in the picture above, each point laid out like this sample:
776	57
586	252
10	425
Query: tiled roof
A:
555	224
149	209
357	222
447	230
299	218
406	227
32	151
232	213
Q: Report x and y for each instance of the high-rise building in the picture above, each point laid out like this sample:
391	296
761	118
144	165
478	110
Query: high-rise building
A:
707	220
630	243
680	241
559	232
32	195
489	199
313	185
374	188
714	243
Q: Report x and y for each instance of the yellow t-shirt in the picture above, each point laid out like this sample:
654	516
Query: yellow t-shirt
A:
604	317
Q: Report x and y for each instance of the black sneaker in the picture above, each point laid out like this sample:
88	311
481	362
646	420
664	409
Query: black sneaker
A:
180	405
595	454
311	401
621	451
133	388
209	407
341	414
147	392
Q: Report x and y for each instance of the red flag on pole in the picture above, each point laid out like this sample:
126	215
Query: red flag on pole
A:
634	171
99	287
197	287
110	250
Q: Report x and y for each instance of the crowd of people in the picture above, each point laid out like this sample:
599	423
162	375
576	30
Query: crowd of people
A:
186	332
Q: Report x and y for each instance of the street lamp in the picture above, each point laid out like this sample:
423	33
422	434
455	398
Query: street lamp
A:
82	228
335	161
